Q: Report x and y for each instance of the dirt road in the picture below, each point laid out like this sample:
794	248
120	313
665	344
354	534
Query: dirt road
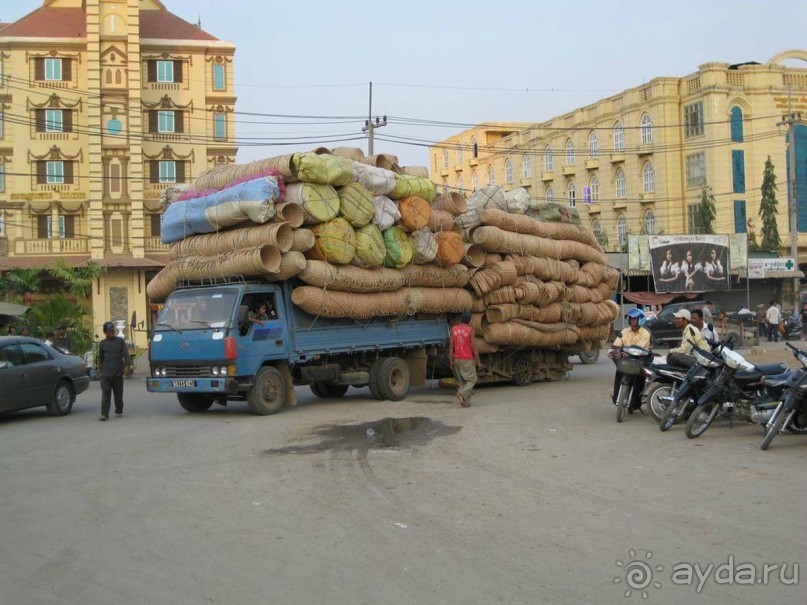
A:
534	495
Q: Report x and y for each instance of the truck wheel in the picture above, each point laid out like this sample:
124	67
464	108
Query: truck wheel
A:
389	379
523	371
194	403
328	389
268	393
589	357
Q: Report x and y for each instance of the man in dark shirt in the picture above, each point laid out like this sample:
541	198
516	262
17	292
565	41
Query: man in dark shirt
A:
64	341
113	357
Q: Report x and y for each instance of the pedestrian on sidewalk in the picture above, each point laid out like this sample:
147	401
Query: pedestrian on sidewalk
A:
773	316
464	359
113	359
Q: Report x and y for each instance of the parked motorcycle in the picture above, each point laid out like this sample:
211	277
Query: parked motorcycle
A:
630	361
685	397
662	379
738	393
791	412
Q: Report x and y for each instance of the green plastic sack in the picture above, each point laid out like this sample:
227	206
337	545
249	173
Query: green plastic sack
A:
409	186
323	169
399	248
335	242
370	248
356	204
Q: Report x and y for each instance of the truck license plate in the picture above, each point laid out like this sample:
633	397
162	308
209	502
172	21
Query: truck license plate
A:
183	383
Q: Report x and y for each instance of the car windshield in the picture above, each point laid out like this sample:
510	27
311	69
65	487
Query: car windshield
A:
197	310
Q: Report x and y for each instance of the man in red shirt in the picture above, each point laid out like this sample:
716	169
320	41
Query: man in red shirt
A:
464	359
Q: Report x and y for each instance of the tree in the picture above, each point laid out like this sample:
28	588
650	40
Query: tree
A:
78	280
767	210
753	245
45	315
20	282
706	212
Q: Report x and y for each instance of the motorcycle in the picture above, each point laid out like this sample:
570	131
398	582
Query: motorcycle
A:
662	380
739	392
630	361
791	412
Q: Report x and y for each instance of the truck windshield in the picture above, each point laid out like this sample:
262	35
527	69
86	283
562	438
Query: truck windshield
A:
197	310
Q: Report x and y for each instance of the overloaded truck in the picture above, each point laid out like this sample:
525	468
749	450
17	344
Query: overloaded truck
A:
207	351
362	267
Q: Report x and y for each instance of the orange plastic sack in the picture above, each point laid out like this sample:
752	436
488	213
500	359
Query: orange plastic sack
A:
415	213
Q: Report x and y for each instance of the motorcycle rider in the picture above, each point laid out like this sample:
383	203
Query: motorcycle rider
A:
633	335
691	337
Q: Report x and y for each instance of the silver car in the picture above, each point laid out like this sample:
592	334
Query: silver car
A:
33	374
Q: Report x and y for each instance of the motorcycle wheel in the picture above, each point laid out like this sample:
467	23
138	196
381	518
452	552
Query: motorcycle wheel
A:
798	424
671	415
701	419
622	401
776	425
658	407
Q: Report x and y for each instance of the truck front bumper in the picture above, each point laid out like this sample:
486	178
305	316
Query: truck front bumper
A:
225	386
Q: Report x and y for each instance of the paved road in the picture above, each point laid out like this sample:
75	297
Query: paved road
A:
530	496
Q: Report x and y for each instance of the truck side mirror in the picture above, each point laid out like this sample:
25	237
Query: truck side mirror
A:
241	318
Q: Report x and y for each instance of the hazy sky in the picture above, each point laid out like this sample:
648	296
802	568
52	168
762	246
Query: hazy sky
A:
461	62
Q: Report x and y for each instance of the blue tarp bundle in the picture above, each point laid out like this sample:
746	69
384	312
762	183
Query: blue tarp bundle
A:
249	201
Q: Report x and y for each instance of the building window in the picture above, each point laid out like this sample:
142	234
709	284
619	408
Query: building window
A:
53	69
550	194
648	178
696	169
650	223
459	183
219	126
508	171
114	178
571	194
740	218
621	186
548	160
736	124
594	186
165	71
693	120
569	152
445	159
168	172
693	218
54	121
54	174
738	170
526	164
459	153
593	145
165	121
619	137
60	226
596	229
474	180
474	147
622	229
647	130
156	224
219	77
491	176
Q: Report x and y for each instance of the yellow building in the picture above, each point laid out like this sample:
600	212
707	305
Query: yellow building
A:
636	162
104	102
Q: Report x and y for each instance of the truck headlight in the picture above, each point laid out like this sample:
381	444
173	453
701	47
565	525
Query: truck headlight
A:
214	370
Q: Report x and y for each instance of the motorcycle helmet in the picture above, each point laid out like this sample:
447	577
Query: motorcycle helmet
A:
638	314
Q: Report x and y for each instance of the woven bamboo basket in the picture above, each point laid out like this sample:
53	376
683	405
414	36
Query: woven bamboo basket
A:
547	269
474	255
291	264
289	213
517	223
513	333
406	301
356	204
370	248
491	258
494	239
434	276
478	322
352	279
453	202
383	160
484	281
221	176
450	249
552	313
596	333
441	221
415	213
483	347
478	305
501	296
302	240
424	246
354	153
335	242
320	203
210	244
162	284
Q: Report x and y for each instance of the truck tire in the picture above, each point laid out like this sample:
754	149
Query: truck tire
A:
589	357
194	403
523	370
268	393
389	379
328	389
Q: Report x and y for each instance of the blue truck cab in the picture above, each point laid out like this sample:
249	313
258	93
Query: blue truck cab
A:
208	348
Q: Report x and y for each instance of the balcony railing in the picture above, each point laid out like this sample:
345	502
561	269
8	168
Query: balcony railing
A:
155	244
51	246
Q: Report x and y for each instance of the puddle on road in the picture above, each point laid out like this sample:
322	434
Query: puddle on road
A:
388	432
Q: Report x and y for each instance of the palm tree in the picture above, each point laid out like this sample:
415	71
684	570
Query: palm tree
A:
77	279
49	313
21	282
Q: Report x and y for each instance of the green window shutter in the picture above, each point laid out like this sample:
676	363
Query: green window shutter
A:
39	68
177	71
153	121
180	172
154	171
151	70
67	168
740	218
39	120
67	70
179	121
736	124
41	172
67	120
738	170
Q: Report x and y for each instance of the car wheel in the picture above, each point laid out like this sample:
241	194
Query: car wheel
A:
62	401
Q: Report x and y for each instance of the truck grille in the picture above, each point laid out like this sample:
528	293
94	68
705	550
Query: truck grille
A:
187	371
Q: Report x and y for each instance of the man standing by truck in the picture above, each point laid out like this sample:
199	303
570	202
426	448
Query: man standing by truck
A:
114	359
464	359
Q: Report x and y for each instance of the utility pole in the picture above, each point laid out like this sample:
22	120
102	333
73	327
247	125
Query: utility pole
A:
370	125
790	119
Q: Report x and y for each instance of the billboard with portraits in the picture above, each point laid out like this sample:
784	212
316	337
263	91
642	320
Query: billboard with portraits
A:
690	263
